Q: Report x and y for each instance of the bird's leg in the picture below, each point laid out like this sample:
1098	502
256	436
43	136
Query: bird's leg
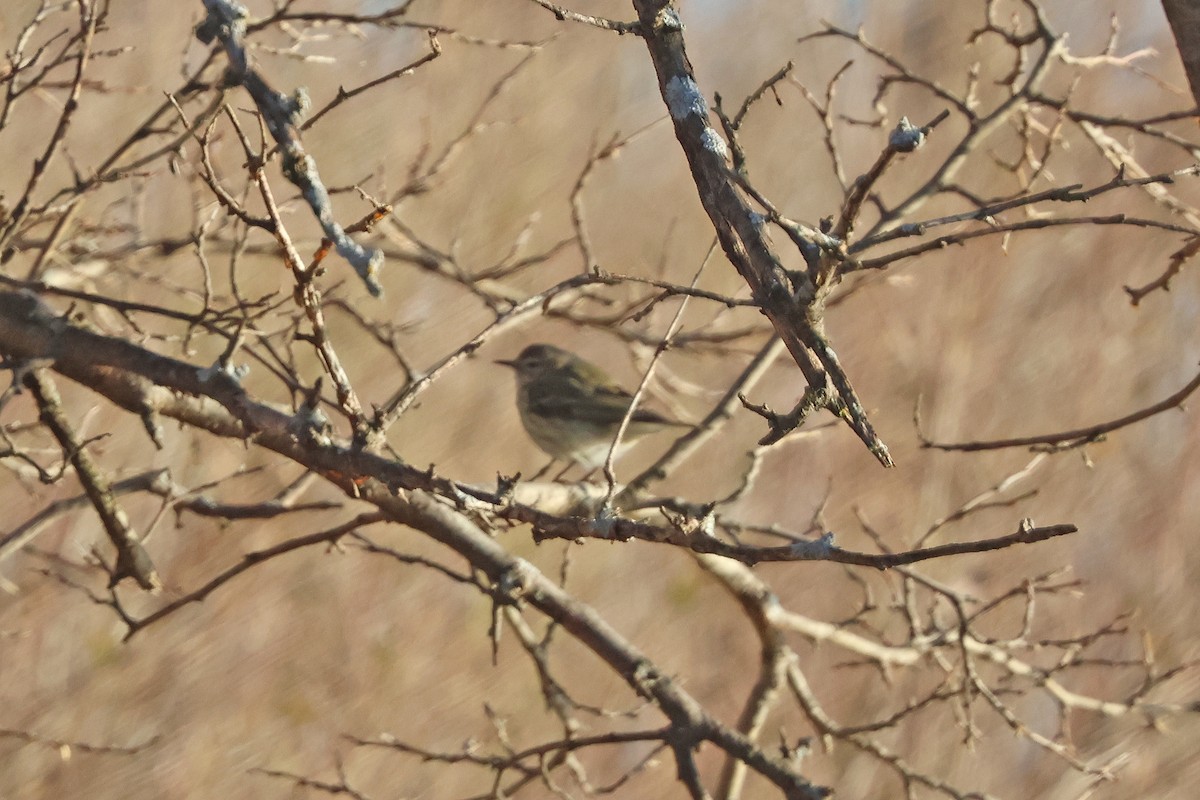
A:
559	477
546	469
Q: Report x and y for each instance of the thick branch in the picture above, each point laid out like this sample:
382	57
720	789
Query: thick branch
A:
214	401
1184	18
795	312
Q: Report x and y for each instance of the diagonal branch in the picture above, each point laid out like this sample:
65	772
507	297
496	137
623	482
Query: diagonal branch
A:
226	22
1064	440
213	400
132	559
795	311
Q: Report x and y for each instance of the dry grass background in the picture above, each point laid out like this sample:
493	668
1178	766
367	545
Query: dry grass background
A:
274	668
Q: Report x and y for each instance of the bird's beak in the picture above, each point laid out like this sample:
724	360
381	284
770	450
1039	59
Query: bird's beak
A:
506	362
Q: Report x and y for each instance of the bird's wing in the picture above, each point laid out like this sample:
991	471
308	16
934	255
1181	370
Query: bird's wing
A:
570	400
599	404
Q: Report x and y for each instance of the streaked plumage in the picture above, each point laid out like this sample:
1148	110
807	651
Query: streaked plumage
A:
571	408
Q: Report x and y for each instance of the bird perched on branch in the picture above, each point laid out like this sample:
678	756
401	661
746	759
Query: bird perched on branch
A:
572	409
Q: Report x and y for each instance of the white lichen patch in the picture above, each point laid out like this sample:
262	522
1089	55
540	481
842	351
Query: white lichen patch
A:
712	141
684	99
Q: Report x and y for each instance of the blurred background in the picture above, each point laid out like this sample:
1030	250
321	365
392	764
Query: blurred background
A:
1025	335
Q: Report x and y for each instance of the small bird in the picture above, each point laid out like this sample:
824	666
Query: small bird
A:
572	409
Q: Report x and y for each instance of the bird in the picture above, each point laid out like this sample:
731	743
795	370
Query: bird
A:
572	409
